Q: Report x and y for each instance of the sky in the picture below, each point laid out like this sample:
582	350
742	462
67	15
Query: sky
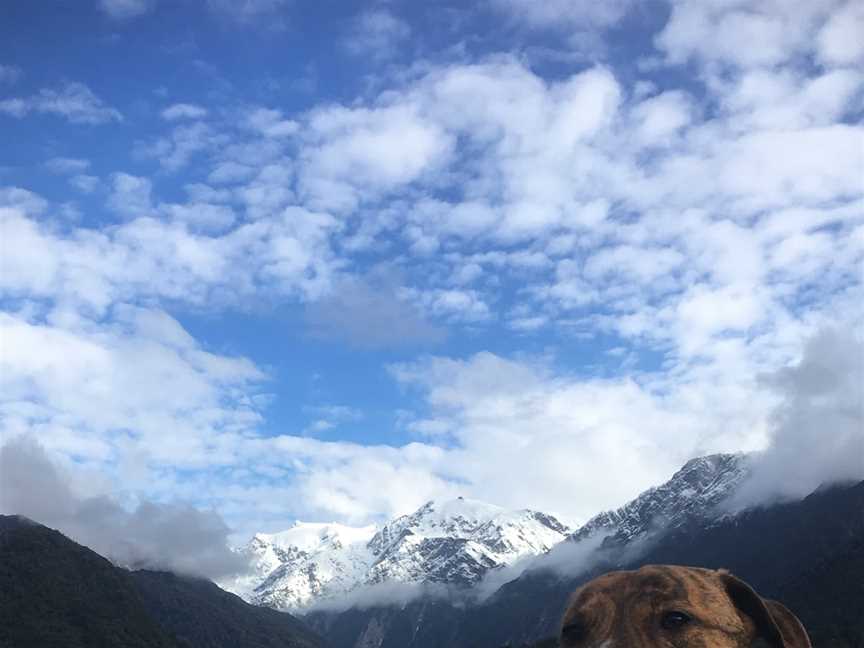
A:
277	260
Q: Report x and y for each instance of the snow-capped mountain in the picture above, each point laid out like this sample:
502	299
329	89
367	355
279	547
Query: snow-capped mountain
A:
691	495
455	542
308	561
458	542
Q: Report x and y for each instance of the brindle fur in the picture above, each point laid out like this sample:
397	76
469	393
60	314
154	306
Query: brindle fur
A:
624	609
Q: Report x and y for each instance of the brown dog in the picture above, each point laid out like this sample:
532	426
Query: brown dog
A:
676	607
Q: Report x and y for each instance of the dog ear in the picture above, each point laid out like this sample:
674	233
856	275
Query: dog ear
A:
790	626
775	624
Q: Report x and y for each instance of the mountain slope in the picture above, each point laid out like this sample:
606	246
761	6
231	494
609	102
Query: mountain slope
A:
197	613
304	563
56	593
691	494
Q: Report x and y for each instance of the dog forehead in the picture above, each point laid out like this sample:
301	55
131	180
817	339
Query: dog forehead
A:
649	578
697	586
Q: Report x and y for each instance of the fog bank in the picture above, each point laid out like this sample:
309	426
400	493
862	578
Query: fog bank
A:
172	537
817	433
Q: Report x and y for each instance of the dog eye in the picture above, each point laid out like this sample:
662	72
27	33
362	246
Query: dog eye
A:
573	632
674	620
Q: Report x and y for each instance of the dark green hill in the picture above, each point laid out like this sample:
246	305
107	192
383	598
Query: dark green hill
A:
200	614
55	593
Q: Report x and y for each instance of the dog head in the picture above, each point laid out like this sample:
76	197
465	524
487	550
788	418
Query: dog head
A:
676	607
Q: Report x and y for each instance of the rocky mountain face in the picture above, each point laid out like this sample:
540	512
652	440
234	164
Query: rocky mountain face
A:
54	593
455	542
306	563
692	494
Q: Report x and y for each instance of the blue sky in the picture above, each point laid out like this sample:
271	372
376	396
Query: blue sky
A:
328	260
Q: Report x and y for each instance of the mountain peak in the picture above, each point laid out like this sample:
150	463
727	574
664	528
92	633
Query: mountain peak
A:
311	536
439	510
10	522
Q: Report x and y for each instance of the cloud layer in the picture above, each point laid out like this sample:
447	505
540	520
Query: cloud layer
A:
153	536
817	436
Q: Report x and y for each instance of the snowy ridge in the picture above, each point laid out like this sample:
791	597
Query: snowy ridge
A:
691	495
456	542
310	560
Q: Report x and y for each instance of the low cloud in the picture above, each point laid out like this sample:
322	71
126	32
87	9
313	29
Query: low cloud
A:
172	537
383	594
370	315
818	429
565	559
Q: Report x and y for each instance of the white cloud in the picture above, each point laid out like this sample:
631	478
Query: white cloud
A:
156	536
140	376
18	198
377	32
67	165
148	258
817	432
9	73
705	313
178	111
661	117
604	440
248	11
130	195
84	183
184	142
365	149
126	9
775	32
331	417
584	14
227	172
271	123
839	39
201	215
72	100
773	100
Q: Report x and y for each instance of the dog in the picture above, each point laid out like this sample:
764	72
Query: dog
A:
676	607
